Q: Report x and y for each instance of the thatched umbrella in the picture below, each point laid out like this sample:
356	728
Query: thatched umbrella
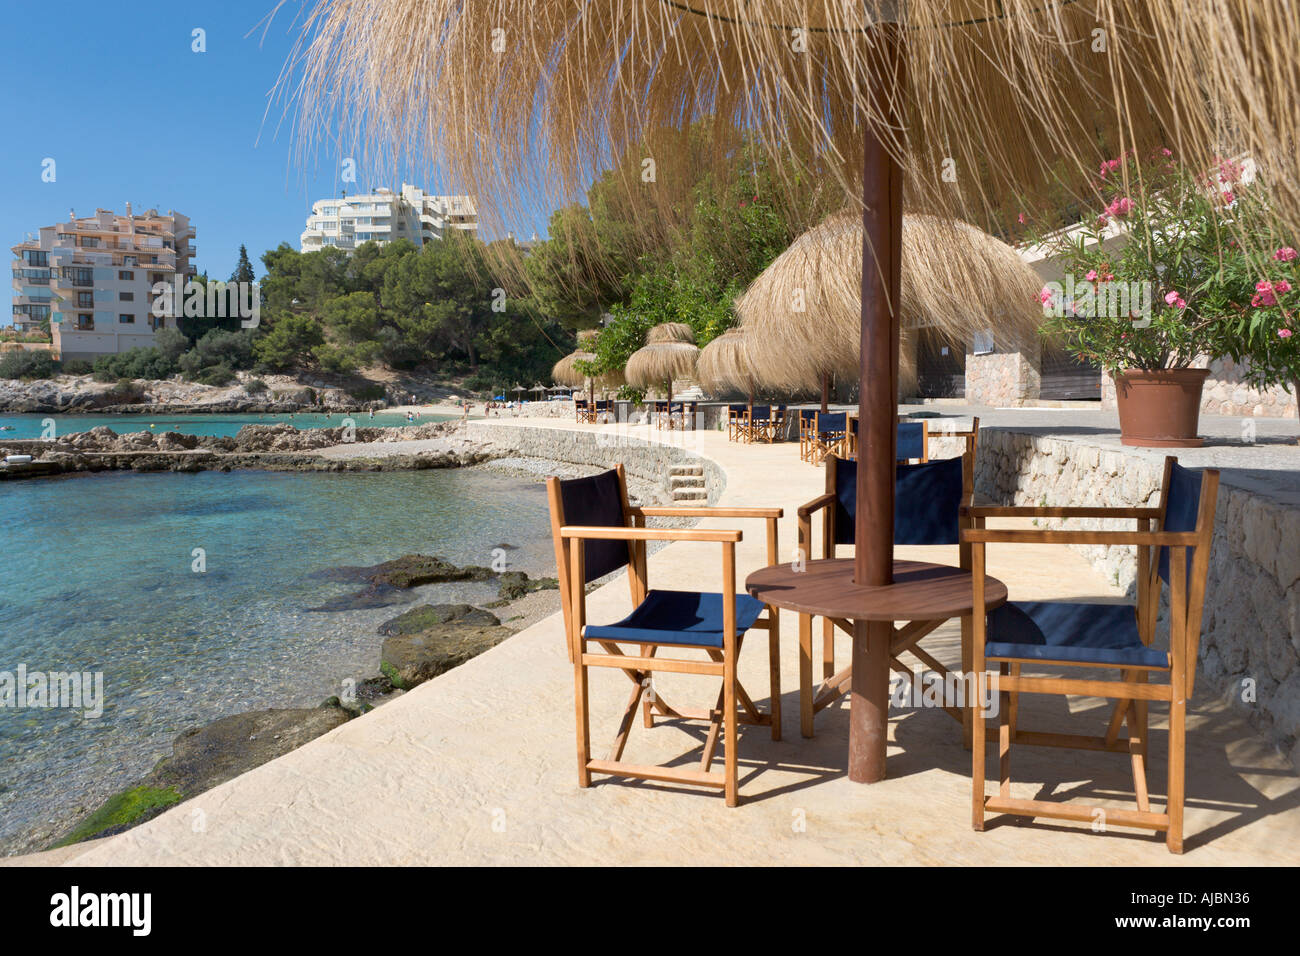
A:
566	371
670	353
1015	98
803	312
725	363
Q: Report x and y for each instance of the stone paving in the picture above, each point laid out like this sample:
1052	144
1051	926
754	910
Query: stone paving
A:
478	765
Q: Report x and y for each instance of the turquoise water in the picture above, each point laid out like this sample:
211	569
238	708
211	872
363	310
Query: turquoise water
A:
37	426
96	575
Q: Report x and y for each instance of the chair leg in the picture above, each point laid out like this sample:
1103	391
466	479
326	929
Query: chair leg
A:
774	668
979	746
1013	707
1177	756
730	735
828	649
967	665
583	716
805	675
1004	739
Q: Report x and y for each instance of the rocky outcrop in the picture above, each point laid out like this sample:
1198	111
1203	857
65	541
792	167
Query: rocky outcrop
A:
411	659
428	616
81	393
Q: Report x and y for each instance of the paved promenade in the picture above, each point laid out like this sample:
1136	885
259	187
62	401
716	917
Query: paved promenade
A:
478	765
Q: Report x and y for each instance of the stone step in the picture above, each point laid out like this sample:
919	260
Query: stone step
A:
691	494
686	470
686	481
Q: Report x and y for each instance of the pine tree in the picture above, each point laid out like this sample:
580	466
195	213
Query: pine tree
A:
243	269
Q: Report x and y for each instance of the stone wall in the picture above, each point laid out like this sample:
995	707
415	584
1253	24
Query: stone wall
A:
1002	378
1251	627
1226	394
648	461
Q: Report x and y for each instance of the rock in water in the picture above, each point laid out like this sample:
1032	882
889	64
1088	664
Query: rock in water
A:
373	596
428	616
411	659
513	585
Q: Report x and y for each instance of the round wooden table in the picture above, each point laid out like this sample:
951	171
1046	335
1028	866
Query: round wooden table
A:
920	592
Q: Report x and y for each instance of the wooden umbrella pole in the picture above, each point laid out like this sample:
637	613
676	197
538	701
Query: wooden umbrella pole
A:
882	222
826	392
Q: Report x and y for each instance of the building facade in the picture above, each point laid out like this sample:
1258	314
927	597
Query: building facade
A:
383	216
93	277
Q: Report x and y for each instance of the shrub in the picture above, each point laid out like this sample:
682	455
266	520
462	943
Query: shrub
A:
146	363
368	392
255	386
215	375
171	342
28	365
77	367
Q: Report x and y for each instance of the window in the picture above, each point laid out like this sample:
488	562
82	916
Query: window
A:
37	257
126	274
153	260
85	323
126	297
329	211
125	319
88	242
85	300
983	342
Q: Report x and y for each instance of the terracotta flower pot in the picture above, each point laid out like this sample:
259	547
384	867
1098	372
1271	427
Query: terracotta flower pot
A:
1160	409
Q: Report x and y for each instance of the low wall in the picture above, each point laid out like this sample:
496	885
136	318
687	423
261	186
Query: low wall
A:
1250	643
1226	393
601	448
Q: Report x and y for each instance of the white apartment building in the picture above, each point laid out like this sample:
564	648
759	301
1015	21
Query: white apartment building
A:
383	215
93	278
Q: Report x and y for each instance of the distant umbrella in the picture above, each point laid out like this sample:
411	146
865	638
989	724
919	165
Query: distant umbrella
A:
725	364
669	353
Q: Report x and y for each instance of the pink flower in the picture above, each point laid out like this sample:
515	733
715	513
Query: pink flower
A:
1283	333
1092	275
1229	197
1285	254
1281	285
1045	296
1263	294
1020	218
1166	152
1176	300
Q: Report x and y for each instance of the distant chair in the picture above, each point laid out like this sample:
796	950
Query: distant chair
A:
659	410
1056	634
604	411
596	531
807	420
736	416
829	436
929	496
584	412
913	442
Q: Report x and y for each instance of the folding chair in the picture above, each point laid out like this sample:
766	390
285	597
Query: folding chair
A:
913	443
736	421
660	411
807	419
597	531
584	412
928	500
1116	637
829	436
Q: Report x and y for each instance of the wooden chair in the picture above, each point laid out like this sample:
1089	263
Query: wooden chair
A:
597	531
585	412
913	443
1173	546
736	422
807	420
829	434
928	502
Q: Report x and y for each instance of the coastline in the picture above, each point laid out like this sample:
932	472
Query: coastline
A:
300	722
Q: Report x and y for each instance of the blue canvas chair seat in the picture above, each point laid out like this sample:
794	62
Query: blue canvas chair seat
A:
678	617
1173	544
1070	633
597	532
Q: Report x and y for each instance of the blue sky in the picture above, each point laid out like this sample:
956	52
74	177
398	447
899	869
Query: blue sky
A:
113	92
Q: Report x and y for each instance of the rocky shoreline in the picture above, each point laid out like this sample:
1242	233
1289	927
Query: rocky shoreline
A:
278	447
419	644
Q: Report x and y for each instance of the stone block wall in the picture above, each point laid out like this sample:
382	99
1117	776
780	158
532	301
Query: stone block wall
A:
1250	643
648	461
1002	378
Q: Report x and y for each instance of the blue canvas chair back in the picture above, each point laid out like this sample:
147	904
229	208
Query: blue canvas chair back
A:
596	501
832	422
927	501
734	410
911	440
1182	504
761	413
807	415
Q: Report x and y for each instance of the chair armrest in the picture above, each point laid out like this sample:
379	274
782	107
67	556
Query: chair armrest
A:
706	511
1031	511
1186	539
650	534
817	504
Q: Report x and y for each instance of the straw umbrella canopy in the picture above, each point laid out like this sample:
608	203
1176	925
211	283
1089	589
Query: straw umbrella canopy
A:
1013	99
670	353
803	312
725	363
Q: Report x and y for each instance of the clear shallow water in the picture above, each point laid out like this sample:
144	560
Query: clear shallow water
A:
95	575
33	426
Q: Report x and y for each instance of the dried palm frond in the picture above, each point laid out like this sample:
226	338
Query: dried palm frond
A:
1006	99
802	315
565	372
670	332
660	363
